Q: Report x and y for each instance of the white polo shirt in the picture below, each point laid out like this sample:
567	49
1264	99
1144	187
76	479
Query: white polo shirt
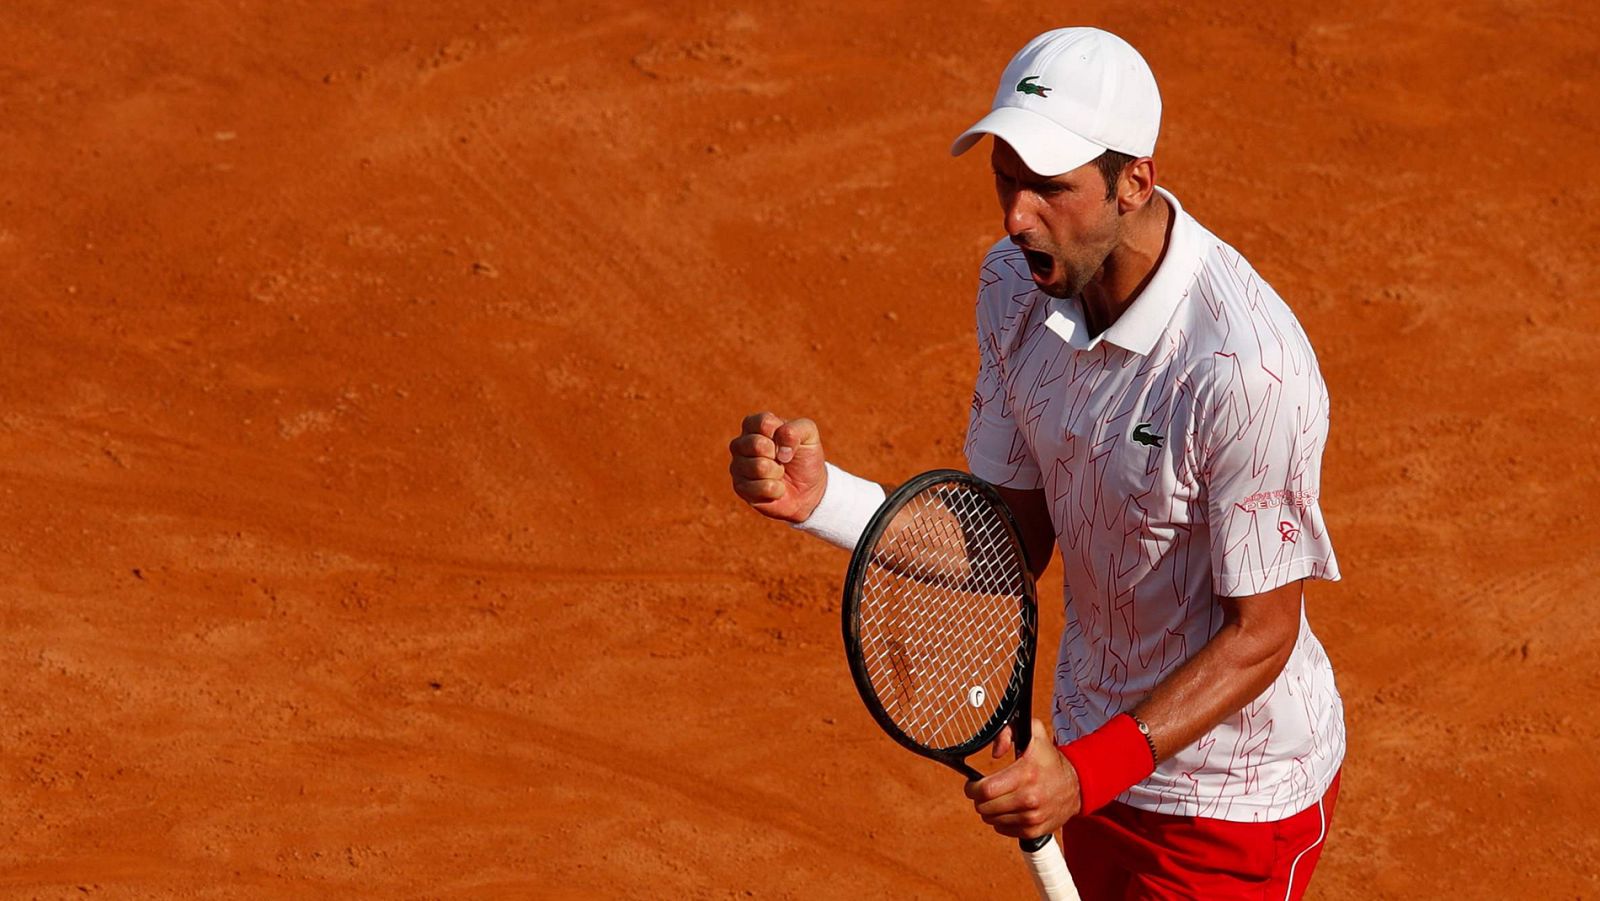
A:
1180	452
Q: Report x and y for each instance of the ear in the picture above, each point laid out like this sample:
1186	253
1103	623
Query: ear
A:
1136	184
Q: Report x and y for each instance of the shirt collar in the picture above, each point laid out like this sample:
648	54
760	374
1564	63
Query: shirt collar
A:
1142	323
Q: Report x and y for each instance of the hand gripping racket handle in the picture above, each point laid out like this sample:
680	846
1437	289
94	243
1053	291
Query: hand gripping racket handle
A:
1045	863
1049	869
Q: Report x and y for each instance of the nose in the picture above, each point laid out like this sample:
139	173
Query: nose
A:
1021	213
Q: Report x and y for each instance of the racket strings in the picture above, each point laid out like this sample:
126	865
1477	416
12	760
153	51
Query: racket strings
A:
942	616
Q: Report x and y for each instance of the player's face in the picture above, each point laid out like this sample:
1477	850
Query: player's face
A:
1065	225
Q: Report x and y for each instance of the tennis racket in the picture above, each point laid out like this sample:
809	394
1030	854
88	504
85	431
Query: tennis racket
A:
940	619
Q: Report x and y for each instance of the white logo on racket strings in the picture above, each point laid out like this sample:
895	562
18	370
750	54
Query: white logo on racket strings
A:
975	696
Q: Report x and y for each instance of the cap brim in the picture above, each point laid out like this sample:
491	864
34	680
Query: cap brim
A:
1045	147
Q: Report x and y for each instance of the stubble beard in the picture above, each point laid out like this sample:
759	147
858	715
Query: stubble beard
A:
1078	274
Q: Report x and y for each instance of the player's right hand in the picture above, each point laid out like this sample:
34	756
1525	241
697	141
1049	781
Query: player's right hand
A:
1035	794
777	466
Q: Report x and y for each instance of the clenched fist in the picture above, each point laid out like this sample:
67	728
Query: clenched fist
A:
777	466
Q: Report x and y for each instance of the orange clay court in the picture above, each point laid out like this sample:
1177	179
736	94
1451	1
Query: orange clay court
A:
368	375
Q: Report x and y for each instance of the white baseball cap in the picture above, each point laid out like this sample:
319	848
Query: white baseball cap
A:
1068	96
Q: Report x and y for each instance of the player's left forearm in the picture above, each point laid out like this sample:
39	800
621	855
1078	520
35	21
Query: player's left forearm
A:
1258	633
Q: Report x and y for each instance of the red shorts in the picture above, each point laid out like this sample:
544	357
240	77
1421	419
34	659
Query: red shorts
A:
1121	853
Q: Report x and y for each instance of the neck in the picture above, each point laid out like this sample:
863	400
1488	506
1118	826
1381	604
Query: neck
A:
1129	267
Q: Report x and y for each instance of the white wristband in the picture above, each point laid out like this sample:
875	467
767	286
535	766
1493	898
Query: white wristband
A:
845	509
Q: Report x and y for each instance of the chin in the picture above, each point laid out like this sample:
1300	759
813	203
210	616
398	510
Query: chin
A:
1056	287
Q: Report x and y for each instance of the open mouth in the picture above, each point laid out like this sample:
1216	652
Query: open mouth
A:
1042	265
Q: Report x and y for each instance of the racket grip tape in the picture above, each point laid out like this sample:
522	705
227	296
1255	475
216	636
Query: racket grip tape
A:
1049	870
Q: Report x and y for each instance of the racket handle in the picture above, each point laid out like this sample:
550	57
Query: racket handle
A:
1049	869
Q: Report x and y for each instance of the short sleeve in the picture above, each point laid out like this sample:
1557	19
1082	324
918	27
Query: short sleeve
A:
1262	433
996	451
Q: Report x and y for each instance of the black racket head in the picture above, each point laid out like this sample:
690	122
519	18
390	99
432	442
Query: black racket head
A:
940	617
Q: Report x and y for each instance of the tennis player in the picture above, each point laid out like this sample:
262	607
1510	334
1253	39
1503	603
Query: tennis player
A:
1147	404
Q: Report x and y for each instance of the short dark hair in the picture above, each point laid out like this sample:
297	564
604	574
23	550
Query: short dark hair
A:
1111	163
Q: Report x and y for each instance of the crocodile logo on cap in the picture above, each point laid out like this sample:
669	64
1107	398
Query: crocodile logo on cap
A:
1027	86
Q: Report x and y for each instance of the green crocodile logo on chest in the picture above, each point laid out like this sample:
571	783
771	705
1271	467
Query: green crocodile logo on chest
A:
1143	435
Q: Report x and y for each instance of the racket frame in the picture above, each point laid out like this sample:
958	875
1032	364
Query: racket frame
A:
1016	706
